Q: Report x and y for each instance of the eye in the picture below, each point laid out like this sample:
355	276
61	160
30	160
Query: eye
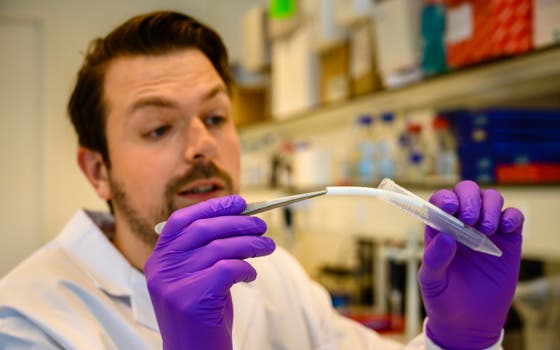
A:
158	132
215	120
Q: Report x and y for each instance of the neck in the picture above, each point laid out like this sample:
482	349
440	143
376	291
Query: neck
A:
135	250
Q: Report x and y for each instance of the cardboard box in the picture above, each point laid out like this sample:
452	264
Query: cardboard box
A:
528	173
333	75
249	105
479	30
364	76
364	84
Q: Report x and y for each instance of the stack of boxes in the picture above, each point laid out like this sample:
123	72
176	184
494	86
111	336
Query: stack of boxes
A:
318	52
480	30
508	145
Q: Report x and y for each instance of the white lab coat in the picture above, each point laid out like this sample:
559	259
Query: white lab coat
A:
79	292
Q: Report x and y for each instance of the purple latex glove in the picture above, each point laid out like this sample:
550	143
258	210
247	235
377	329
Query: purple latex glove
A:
198	257
467	294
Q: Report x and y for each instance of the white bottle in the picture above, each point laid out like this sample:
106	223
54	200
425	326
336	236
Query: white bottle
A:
364	167
416	160
445	158
387	147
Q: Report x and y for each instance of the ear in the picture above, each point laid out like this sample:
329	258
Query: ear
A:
94	168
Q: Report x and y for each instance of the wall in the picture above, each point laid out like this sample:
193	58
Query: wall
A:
66	28
20	142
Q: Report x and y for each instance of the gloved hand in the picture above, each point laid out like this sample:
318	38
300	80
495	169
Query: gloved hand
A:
467	294
198	257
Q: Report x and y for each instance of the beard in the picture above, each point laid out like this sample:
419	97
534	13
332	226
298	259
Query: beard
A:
143	227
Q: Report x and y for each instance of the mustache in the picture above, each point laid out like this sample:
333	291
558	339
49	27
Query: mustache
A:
199	171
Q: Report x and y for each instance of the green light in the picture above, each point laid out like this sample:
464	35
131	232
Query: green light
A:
280	9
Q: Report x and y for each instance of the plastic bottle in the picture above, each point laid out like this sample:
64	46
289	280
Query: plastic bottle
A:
365	170
433	36
416	162
402	150
445	159
387	143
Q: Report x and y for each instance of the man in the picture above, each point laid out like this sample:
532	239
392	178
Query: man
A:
152	110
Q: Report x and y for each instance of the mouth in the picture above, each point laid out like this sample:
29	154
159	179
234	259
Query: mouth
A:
203	189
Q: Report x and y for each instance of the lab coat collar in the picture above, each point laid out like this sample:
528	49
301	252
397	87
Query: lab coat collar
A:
111	272
246	299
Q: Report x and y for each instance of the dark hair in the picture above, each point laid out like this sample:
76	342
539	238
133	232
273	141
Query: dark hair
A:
155	33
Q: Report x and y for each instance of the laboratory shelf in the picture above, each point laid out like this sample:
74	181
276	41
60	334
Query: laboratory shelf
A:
530	80
427	187
519	80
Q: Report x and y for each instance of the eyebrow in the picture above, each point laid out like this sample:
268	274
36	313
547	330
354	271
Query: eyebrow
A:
214	92
157	101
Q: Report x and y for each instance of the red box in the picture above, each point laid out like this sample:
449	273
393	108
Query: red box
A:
499	28
527	173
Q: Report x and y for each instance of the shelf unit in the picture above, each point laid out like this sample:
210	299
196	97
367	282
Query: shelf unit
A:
532	79
508	82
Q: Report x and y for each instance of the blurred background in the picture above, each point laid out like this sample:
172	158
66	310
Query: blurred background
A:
327	92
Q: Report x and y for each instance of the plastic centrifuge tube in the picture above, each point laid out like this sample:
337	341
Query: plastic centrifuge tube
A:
425	211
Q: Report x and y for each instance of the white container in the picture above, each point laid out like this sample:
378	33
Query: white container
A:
313	167
546	23
294	75
398	38
254	41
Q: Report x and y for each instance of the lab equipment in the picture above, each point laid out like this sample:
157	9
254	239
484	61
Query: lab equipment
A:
423	210
416	162
259	207
387	152
365	150
445	157
432	26
538	303
434	217
398	196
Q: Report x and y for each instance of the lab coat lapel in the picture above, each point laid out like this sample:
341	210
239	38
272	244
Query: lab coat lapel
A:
83	240
248	315
140	301
110	271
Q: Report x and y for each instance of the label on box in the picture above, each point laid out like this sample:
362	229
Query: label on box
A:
460	23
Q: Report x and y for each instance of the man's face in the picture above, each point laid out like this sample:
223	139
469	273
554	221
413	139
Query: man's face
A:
170	135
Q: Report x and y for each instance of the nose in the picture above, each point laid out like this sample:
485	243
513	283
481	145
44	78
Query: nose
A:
200	143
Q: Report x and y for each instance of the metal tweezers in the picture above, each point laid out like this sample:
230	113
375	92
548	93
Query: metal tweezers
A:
259	207
262	206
